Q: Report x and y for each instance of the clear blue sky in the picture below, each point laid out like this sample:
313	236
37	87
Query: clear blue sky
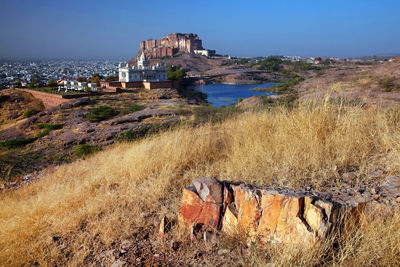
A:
113	29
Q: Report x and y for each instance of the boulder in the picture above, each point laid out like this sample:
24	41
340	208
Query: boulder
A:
195	210
209	189
264	215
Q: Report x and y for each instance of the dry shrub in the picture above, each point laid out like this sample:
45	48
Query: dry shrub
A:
83	207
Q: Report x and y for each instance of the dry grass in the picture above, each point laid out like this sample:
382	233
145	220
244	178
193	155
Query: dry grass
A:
91	203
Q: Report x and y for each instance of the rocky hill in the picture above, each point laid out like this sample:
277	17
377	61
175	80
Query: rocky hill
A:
281	170
376	83
32	138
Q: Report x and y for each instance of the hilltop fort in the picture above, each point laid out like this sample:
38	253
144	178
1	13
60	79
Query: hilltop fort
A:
173	44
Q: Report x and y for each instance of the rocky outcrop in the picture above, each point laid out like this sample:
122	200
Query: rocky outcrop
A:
265	215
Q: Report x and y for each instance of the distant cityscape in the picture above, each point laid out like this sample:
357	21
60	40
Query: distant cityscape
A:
12	72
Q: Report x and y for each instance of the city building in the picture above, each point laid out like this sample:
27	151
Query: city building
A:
205	52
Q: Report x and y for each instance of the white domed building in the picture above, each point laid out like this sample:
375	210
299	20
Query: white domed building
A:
142	72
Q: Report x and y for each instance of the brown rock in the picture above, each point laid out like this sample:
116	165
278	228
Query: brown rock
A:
195	210
230	221
248	207
282	220
320	215
209	189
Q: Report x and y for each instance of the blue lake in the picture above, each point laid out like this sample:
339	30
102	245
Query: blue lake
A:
228	94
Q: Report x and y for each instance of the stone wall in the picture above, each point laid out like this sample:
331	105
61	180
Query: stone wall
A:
156	85
49	100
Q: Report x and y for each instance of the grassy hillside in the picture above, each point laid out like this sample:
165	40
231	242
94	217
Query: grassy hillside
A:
89	206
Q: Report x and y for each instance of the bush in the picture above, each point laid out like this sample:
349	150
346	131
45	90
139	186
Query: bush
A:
47	128
387	84
30	112
175	72
16	143
146	130
52	83
83	150
135	107
101	113
214	114
135	134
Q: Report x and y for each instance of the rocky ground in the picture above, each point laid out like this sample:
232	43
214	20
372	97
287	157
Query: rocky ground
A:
157	245
158	108
377	84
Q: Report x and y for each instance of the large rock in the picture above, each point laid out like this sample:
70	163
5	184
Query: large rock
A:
209	190
266	215
195	210
247	203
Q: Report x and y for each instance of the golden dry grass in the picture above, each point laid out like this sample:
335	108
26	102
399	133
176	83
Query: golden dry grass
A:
94	202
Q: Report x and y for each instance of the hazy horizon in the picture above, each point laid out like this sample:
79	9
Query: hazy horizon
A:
100	30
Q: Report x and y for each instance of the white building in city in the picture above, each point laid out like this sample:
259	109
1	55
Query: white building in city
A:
142	72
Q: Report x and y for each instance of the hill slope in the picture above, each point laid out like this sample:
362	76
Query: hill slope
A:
83	213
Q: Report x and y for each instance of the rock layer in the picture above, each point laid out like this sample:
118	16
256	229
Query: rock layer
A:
265	215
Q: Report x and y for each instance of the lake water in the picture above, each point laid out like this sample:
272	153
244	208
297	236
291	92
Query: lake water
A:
228	94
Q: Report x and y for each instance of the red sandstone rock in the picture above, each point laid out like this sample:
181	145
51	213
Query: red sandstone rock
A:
195	210
209	189
248	209
264	215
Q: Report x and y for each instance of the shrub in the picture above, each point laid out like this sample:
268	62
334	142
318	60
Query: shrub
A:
135	107
47	128
387	84
135	134
146	130
16	143
30	112
101	113
83	150
214	114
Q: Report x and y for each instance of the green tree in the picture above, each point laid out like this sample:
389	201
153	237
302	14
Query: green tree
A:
52	83
175	72
81	79
96	78
18	84
112	78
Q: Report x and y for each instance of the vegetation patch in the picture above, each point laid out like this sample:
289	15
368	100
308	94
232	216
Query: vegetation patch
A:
135	107
146	130
83	150
9	144
101	113
214	114
387	84
175	72
47	128
30	112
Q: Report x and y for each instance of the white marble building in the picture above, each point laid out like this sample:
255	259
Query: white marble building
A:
142	72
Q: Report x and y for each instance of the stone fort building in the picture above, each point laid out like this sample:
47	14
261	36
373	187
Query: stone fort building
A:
172	44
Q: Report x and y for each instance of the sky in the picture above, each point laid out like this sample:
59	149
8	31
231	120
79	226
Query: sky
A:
87	29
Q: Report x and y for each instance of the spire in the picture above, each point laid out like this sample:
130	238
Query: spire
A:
142	62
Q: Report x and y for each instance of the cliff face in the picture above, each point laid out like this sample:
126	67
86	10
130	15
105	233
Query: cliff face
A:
170	45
